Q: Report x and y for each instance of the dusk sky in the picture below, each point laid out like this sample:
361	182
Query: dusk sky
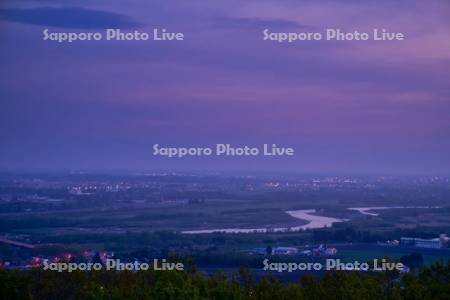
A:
345	106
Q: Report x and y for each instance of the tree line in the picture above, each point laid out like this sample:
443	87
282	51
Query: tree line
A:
429	283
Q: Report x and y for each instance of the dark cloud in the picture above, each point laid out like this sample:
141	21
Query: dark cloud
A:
68	17
257	23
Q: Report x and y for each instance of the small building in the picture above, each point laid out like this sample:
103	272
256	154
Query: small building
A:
284	251
421	243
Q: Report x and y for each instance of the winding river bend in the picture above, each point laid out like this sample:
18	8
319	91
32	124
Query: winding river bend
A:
314	221
366	210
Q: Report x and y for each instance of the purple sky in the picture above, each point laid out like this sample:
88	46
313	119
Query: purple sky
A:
345	106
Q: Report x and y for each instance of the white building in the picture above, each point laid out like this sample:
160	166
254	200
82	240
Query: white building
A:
284	251
421	243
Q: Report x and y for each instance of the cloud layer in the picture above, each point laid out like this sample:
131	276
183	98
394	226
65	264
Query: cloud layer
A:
68	17
346	106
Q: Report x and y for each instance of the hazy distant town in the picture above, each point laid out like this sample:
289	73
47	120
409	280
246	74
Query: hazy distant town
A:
222	221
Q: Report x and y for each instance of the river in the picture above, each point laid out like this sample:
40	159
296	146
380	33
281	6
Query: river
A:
366	210
314	221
